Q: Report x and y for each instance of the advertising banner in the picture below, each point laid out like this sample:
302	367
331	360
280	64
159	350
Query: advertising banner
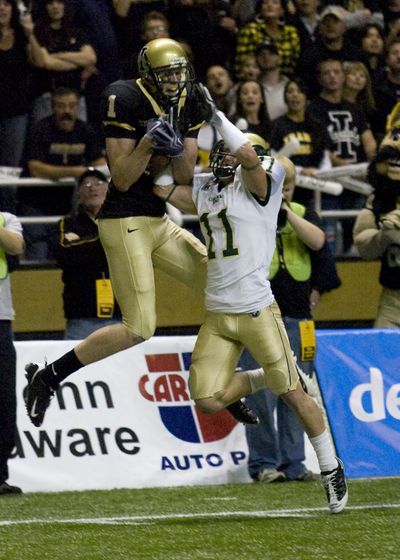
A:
359	376
126	421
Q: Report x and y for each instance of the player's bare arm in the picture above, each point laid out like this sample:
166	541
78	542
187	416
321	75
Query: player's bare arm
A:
309	233
179	196
128	160
254	175
182	168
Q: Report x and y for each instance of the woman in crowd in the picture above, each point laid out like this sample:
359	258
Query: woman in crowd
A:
372	45
251	114
67	55
18	47
298	132
358	87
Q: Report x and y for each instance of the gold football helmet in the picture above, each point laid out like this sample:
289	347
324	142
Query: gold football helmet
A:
221	162
165	69
260	145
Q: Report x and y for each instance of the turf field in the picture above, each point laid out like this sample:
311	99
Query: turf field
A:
286	521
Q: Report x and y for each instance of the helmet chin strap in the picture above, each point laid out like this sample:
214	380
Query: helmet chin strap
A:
171	100
171	105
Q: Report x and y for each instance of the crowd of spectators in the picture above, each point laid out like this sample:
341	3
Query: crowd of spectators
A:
302	71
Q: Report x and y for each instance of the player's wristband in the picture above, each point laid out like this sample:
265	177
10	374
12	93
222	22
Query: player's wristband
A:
170	193
250	167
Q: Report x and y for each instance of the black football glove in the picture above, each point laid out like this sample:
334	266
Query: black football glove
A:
164	138
208	108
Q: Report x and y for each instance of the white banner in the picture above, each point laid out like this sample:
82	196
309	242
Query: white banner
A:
126	421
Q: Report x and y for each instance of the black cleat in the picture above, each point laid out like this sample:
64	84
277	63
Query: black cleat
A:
335	486
242	413
6	488
37	394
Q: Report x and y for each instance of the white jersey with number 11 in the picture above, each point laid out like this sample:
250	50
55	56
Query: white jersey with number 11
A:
240	232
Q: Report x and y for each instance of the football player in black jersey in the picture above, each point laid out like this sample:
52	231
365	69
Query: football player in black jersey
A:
150	124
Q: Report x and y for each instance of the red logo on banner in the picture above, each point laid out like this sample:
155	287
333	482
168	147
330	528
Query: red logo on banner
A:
166	386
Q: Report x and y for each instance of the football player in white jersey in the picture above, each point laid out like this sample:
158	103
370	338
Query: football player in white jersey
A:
238	208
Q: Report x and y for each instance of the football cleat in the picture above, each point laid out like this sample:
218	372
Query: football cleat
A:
335	486
242	413
6	488
37	394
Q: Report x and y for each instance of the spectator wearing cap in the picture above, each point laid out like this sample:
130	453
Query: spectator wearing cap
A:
88	297
332	43
271	78
360	12
60	146
268	24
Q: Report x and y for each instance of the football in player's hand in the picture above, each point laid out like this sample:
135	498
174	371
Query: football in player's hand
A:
157	164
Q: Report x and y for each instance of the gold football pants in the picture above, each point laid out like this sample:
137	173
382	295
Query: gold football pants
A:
219	345
134	246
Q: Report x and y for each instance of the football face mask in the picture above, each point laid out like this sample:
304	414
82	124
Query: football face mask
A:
223	164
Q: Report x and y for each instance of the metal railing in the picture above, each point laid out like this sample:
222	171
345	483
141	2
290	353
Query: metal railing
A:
331	182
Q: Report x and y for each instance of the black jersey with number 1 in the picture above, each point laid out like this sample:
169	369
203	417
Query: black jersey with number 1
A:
126	107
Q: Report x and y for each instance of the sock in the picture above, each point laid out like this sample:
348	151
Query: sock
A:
59	370
257	379
325	451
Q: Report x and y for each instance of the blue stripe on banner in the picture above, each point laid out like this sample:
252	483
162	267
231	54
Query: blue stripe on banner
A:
359	376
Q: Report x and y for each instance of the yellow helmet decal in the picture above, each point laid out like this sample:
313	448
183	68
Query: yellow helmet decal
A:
393	120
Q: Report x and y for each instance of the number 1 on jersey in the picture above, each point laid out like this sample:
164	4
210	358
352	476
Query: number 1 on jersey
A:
111	106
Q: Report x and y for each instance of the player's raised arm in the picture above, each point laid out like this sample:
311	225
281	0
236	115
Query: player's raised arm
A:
253	174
